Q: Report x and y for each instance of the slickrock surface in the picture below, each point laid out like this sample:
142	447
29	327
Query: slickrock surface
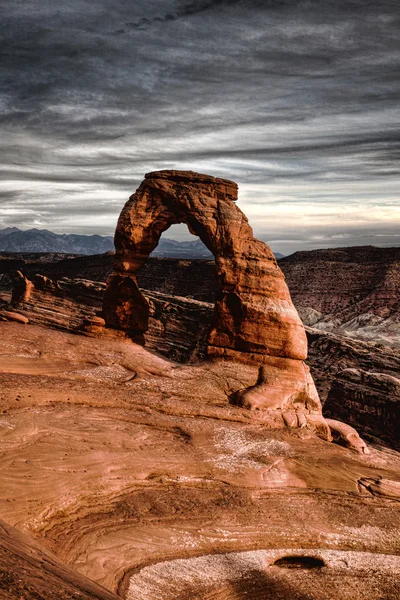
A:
116	459
29	571
272	574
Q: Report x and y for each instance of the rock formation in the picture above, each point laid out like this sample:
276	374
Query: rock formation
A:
118	461
22	289
369	400
178	330
178	327
329	354
347	436
254	312
154	480
8	315
254	321
352	291
30	572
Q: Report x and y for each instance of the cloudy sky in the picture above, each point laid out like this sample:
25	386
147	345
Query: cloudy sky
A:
296	100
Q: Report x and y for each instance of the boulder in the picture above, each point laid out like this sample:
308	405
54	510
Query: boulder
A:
8	315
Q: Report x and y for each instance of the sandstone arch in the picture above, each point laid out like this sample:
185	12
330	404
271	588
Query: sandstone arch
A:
254	321
254	314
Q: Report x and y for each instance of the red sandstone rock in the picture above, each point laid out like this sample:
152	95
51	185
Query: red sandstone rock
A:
13	316
30	572
253	312
114	472
269	393
254	321
378	486
343	433
96	321
22	289
93	324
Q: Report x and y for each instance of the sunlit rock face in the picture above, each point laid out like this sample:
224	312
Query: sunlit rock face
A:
255	320
253	312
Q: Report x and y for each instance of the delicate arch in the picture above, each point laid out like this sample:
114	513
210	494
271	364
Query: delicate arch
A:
254	313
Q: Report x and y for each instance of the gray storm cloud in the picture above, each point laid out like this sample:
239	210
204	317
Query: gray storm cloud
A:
297	101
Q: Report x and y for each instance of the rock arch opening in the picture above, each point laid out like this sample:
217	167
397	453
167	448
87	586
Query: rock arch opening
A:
182	268
181	293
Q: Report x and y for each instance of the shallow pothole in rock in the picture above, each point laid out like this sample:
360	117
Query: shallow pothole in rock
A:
270	574
299	562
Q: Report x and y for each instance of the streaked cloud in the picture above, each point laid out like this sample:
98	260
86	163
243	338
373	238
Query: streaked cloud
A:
296	101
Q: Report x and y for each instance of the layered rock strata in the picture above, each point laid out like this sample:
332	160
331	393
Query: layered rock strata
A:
116	459
369	400
178	327
330	354
30	572
353	291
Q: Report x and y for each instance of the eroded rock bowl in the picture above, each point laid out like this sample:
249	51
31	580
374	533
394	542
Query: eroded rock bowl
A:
286	574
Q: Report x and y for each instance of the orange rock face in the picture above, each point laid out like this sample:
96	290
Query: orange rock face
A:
255	320
22	289
253	312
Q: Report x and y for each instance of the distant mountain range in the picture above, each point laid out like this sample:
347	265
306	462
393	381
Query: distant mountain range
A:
172	249
13	239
